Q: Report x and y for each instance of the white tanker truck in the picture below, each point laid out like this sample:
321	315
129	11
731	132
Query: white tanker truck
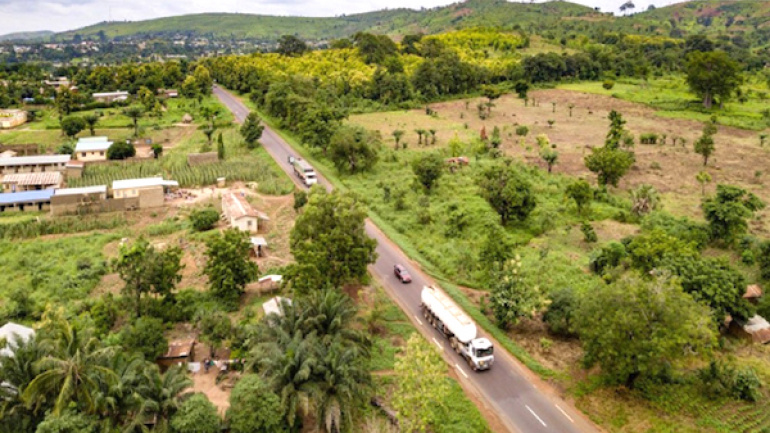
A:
448	318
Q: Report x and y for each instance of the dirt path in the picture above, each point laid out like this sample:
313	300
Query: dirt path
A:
206	383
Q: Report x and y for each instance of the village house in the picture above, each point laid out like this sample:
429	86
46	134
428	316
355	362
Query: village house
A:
240	214
31	181
92	148
89	199
33	164
150	191
110	97
12	118
58	82
29	200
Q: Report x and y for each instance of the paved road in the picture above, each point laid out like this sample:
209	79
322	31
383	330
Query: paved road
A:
522	402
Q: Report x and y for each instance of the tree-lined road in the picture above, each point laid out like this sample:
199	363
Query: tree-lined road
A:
521	401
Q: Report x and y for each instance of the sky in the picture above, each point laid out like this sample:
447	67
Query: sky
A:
61	15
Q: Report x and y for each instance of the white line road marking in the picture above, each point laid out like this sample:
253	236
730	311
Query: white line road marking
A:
565	414
418	320
440	347
461	371
535	415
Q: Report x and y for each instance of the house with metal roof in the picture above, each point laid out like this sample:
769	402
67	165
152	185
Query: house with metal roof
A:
33	164
79	201
10	333
110	97
92	148
240	214
28	200
31	181
12	118
150	190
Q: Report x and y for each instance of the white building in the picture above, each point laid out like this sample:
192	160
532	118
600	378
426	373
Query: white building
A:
10	332
240	214
92	148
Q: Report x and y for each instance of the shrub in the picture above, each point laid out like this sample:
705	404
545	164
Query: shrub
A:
764	261
560	312
606	257
649	138
589	234
681	228
721	380
608	84
197	415
522	131
204	219
145	335
121	150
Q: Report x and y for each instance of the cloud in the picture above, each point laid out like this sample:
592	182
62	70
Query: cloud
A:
60	15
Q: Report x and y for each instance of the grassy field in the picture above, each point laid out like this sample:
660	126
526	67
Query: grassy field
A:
671	98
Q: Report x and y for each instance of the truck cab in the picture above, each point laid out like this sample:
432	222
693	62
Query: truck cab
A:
304	171
482	354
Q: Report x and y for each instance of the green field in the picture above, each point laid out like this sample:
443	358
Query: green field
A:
671	98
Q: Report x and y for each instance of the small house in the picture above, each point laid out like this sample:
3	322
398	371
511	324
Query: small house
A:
92	148
275	305
150	191
753	293
110	97
12	118
757	329
33	164
259	246
240	214
10	333
179	351
31	181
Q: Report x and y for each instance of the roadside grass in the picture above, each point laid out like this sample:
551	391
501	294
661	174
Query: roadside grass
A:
459	414
60	272
671	97
240	164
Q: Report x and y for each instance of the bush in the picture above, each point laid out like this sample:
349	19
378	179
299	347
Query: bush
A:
204	219
197	415
559	315
121	150
608	84
254	407
522	131
764	260
722	380
589	234
145	335
607	257
683	228
649	138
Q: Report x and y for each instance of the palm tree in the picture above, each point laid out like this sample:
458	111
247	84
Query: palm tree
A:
329	315
91	121
74	369
288	364
155	394
134	113
342	381
16	372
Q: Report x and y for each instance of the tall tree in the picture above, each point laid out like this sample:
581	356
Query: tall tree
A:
134	113
73	371
580	192
354	149
511	298
72	126
635	328
342	383
421	386
428	168
712	74
251	130
329	241
203	79
91	120
507	192
290	45
228	266
145	270
609	164
197	415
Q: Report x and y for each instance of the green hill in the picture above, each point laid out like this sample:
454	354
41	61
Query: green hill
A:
393	22
23	36
733	17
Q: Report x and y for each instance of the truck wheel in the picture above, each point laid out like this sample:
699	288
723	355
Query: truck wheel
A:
470	364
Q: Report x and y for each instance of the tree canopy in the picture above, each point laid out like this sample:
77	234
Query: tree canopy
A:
509	193
228	265
353	149
712	74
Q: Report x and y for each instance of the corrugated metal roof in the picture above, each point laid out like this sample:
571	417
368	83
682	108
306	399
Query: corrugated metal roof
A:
236	206
33	179
758	328
104	94
90	144
12	198
179	349
142	183
753	291
99	189
34	160
258	241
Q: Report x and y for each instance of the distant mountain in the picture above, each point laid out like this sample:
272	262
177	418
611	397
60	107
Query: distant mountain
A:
23	36
393	22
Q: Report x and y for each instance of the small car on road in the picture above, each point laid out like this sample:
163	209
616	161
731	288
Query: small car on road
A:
402	274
